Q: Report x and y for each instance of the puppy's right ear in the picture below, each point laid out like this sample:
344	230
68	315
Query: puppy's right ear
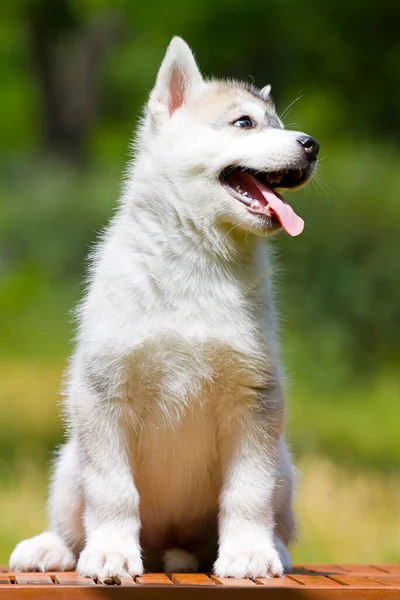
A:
177	80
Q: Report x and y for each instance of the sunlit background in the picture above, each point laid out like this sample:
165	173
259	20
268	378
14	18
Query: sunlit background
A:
74	75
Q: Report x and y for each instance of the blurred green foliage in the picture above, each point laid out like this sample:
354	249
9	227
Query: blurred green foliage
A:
342	56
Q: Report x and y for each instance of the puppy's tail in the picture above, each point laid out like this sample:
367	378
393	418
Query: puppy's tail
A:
177	560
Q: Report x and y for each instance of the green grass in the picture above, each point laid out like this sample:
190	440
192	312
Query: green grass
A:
346	515
348	417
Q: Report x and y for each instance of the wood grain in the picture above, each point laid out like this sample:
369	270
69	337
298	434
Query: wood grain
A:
285	582
232	582
356	581
315	580
154	579
72	578
33	579
191	579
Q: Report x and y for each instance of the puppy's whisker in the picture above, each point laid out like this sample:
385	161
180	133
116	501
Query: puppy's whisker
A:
318	178
231	229
287	109
321	189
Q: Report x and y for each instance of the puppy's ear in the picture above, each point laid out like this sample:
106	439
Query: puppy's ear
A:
178	78
266	91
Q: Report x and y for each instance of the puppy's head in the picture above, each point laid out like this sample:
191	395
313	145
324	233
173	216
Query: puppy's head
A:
220	150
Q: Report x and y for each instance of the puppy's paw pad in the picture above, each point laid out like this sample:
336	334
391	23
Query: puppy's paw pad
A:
249	564
45	552
94	562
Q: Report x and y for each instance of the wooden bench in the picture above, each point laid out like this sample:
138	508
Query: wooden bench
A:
322	582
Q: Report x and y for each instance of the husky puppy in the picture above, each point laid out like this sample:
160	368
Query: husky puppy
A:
176	457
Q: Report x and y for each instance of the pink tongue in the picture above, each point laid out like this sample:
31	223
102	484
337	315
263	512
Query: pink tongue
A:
291	223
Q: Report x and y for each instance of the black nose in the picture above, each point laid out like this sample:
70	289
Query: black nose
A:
311	146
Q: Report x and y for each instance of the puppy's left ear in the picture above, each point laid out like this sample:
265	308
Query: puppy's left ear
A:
266	92
177	80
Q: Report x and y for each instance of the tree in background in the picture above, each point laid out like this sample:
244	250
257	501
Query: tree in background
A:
66	55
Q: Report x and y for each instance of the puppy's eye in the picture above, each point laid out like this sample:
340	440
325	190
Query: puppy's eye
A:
245	122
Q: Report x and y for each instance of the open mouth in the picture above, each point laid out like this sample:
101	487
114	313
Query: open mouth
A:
257	190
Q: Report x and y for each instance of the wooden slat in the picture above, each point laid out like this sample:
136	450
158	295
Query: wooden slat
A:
127	581
315	580
33	579
232	582
191	579
4	579
72	578
390	580
285	581
154	579
362	569
393	569
116	581
355	581
321	569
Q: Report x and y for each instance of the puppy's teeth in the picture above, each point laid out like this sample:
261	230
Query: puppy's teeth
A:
255	204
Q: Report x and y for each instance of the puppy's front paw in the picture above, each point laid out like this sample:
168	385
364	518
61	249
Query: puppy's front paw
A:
109	562
44	552
249	563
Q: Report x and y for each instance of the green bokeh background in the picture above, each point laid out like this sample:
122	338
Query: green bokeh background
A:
338	284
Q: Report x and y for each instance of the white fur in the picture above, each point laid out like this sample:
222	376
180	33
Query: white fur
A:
174	397
44	552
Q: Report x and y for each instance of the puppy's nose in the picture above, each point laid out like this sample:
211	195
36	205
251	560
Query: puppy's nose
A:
311	146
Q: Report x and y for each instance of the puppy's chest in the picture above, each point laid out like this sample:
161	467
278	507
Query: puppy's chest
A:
210	344
171	373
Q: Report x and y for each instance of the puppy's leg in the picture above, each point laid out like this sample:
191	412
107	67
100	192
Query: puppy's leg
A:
66	498
285	528
111	520
57	549
250	453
